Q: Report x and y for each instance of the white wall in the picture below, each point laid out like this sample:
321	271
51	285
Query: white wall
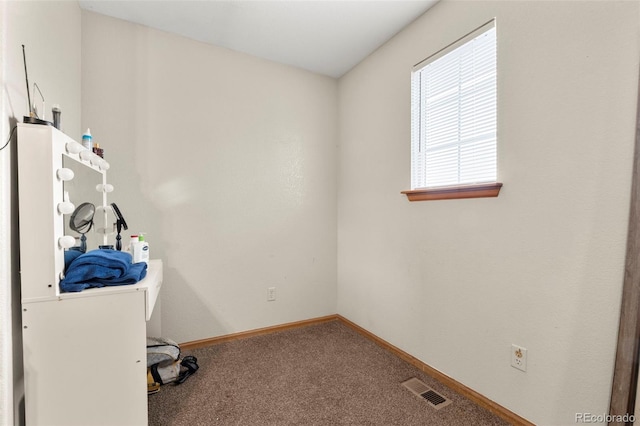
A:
455	283
228	162
50	30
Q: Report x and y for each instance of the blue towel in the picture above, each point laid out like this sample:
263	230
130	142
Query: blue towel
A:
71	255
99	268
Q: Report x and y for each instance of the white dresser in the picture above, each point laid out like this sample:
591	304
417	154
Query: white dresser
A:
84	353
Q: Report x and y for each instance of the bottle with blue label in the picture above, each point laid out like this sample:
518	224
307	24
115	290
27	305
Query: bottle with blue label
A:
87	140
141	250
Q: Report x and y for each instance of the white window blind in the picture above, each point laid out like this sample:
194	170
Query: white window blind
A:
453	115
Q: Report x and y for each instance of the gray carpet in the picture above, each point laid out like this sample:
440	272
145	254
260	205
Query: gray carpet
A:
326	374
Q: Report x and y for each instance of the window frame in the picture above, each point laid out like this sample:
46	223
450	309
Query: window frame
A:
489	188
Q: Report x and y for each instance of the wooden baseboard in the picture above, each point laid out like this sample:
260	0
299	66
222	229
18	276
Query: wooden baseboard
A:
257	332
454	385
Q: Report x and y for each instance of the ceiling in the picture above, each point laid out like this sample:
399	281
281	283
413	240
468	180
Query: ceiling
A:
324	36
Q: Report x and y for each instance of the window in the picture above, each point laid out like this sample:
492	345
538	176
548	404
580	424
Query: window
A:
453	119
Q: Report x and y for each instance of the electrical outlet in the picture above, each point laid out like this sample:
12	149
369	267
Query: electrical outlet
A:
519	357
271	294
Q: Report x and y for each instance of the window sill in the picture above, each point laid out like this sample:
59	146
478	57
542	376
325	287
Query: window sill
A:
454	192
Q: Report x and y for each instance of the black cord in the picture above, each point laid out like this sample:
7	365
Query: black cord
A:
10	136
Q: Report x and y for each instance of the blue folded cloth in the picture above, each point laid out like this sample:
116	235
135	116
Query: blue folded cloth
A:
99	268
71	255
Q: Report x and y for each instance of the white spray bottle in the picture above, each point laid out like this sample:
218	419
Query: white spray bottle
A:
132	243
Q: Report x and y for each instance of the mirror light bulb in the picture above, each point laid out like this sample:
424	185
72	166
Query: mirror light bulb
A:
104	188
65	174
66	207
66	242
86	155
73	147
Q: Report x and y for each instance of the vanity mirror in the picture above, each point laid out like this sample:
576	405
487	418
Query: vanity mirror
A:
81	191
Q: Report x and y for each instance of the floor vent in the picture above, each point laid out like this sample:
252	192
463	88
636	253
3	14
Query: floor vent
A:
434	399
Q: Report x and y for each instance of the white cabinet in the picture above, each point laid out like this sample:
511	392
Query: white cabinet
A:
84	353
